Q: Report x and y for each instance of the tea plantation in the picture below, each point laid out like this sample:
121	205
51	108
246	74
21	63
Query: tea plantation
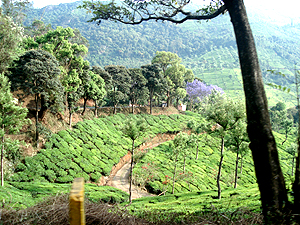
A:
91	148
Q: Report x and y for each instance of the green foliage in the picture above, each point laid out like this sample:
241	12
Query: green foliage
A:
25	194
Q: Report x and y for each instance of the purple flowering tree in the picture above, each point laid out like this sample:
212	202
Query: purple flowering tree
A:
198	90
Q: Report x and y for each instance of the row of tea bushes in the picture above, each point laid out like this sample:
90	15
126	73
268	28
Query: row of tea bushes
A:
20	195
91	148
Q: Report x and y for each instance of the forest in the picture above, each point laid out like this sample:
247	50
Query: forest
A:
80	99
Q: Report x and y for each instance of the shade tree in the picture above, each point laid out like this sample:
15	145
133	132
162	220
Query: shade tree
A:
237	141
120	84
223	116
138	90
36	73
155	80
133	129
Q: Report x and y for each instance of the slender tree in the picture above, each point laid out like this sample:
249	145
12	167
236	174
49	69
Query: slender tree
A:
133	129
224	115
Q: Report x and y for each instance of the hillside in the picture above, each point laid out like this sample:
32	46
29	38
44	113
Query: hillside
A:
208	48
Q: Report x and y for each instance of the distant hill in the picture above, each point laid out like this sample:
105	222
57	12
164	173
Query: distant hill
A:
208	48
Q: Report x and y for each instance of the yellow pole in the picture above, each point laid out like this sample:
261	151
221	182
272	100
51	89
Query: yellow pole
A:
77	216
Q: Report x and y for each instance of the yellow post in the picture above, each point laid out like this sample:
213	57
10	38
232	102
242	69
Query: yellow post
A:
77	216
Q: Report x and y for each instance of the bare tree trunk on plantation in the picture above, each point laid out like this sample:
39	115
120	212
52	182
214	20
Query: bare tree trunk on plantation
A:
70	117
115	109
265	156
197	151
96	109
132	109
2	159
220	168
36	98
151	96
174	174
184	160
130	175
84	105
236	168
44	109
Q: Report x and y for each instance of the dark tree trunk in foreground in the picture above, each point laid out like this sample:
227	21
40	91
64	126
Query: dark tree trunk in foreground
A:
265	156
2	159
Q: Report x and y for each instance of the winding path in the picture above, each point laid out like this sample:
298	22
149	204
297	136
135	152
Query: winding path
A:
119	177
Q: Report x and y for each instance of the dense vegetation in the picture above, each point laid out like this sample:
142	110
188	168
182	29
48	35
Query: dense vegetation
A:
209	140
209	48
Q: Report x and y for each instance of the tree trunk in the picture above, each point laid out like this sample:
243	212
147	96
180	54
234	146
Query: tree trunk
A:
36	98
44	109
130	174
293	162
84	105
220	168
132	109
70	117
151	96
241	167
168	99
264	152
184	164
197	151
236	168
174	175
115	109
2	159
96	107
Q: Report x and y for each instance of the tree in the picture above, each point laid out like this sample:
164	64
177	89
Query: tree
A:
238	142
138	90
10	43
155	80
37	73
15	9
199	91
120	84
166	60
133	129
92	88
12	118
224	116
269	175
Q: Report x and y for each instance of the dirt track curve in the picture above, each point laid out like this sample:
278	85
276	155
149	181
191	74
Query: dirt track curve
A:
119	177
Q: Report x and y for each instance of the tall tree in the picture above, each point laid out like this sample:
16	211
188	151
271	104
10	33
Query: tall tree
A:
238	142
138	89
166	60
15	9
224	115
263	146
155	80
12	117
37	73
93	88
120	84
133	129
